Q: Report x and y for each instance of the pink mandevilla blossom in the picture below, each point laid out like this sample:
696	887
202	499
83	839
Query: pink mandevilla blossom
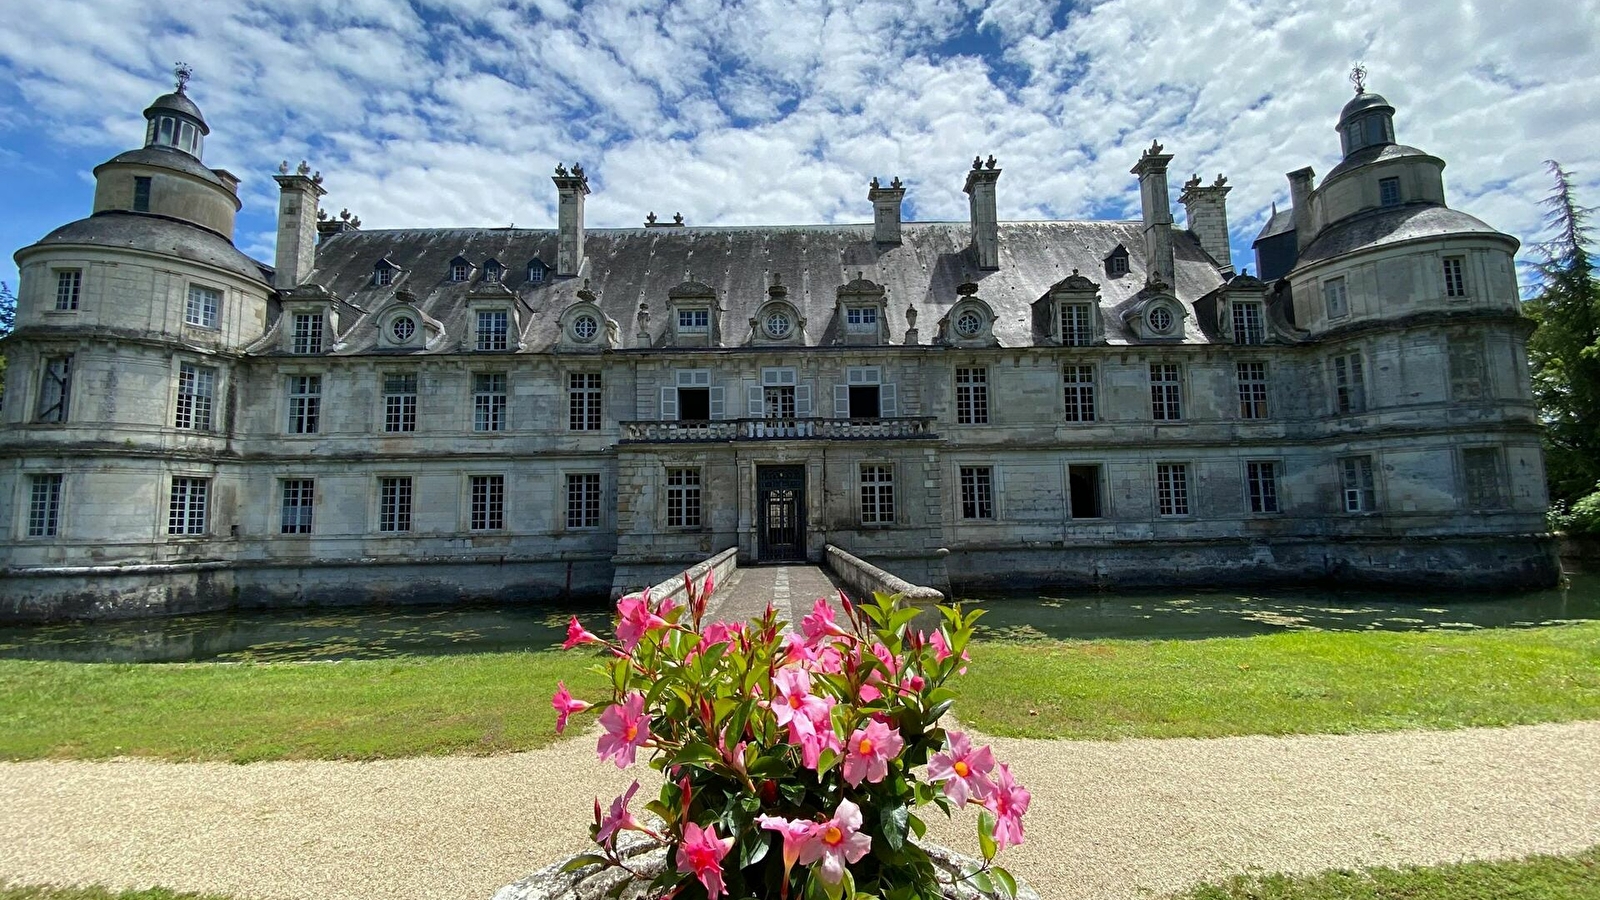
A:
701	853
837	841
868	752
627	729
577	634
1008	802
618	819
636	620
941	650
820	625
964	772
721	633
872	689
795	834
565	706
794	697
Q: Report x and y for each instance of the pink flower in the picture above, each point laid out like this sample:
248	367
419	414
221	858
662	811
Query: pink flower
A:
941	650
1008	802
868	752
794	698
701	853
721	633
795	834
814	732
627	729
565	706
872	688
820	624
965	773
618	819
577	634
636	620
837	841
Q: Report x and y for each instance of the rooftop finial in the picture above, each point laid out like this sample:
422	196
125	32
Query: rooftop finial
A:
1358	77
182	72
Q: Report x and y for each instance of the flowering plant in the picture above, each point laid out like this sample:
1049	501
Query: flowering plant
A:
791	759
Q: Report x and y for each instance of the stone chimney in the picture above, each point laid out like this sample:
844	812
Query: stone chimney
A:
1300	187
1206	213
1156	208
297	225
573	187
886	210
985	222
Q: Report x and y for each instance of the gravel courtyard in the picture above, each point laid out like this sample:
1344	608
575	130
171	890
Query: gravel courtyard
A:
1109	819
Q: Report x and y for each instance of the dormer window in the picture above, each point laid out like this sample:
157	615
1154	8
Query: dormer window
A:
1117	261
694	321
492	272
493	329
384	272
536	272
460	271
778	324
1077	324
1161	320
861	319
306	337
969	323
1249	322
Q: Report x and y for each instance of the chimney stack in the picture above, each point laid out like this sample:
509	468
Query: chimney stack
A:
573	187
886	210
981	202
1156	207
297	225
1300	188
1206	213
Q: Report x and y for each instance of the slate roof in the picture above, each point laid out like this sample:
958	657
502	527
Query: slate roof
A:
1281	221
166	158
156	234
627	266
1391	226
1375	153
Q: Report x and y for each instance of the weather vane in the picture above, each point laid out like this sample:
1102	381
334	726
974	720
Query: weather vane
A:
183	73
1358	77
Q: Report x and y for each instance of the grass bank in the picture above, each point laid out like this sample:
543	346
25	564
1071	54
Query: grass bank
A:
1295	682
1575	877
1299	682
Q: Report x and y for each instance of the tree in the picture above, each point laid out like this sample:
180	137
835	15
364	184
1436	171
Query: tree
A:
1565	350
8	320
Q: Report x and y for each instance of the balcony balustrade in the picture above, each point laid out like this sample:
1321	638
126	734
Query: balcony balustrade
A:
779	430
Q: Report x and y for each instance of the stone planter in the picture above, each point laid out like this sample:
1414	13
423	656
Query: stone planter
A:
649	858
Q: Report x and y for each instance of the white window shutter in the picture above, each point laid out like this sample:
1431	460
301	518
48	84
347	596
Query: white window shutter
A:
753	405
888	401
718	407
669	404
802	400
841	401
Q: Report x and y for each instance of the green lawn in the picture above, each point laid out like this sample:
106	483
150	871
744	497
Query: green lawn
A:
1295	682
1298	682
1574	877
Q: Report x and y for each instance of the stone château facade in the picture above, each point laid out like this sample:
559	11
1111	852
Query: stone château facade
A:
497	413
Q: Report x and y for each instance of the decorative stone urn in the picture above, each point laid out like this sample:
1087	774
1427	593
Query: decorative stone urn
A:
647	858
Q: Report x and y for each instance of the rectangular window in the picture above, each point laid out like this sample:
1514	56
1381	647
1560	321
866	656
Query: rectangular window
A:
1172	489
494	329
1485	486
488	502
460	272
394	504
55	389
1078	382
1466	370
44	505
1455	284
1083	482
877	494
1334	300
583	500
1252	390
1249	323
536	273
305	403
861	318
683	498
1261	479
202	306
295	512
694	321
778	402
1077	325
141	193
977	492
489	401
186	513
1166	394
69	285
399	403
492	273
1389	191
1356	476
307	336
1349	386
382	275
583	401
197	392
972	396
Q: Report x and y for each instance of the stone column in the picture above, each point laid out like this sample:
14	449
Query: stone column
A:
1206	211
980	191
573	187
1156	207
297	228
886	211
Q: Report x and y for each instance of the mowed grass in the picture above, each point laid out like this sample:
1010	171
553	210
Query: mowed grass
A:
360	709
1575	877
1295	682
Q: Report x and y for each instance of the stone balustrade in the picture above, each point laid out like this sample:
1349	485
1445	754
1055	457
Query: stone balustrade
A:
779	429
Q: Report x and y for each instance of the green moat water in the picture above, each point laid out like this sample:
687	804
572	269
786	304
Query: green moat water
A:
429	631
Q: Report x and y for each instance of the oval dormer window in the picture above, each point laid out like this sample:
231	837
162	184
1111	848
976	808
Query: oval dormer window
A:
778	324
1161	320
585	327
969	323
403	328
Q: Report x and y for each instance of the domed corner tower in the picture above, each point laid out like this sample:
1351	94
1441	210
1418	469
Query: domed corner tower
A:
131	327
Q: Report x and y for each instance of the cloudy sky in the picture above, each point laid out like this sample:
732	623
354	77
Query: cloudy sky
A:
453	112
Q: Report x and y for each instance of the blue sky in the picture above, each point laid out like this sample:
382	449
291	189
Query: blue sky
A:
453	112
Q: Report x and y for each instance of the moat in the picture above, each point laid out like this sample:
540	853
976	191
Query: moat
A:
369	633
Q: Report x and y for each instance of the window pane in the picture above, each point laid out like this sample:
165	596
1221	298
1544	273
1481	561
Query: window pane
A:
972	396
44	505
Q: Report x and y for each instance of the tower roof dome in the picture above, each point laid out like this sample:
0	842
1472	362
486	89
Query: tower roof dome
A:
177	102
1367	120
175	123
1364	101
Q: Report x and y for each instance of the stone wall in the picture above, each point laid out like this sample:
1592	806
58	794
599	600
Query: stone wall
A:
865	579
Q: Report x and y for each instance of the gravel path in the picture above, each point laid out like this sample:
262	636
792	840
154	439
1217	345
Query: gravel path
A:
1110	819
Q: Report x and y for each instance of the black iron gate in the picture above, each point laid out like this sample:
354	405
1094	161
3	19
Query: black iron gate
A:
781	507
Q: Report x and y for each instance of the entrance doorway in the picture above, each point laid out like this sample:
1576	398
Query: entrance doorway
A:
781	513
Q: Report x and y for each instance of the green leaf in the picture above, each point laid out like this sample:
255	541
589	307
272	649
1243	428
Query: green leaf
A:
902	618
694	753
754	850
587	859
1006	883
986	843
826	761
936	711
894	821
917	825
980	880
